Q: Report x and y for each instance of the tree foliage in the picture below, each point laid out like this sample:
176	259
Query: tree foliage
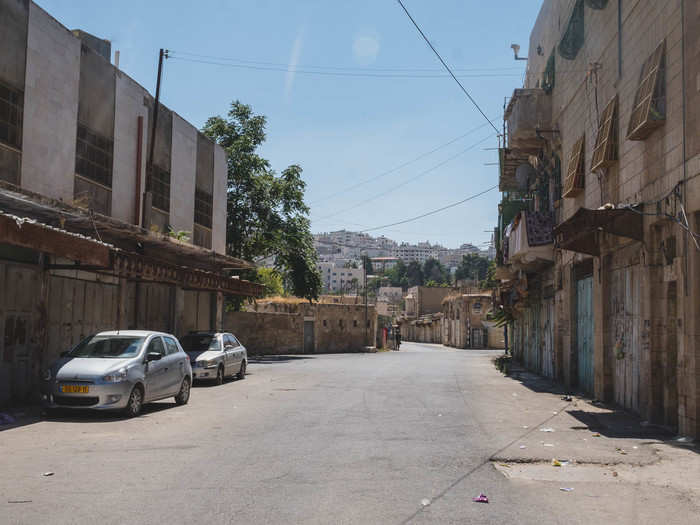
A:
266	215
472	266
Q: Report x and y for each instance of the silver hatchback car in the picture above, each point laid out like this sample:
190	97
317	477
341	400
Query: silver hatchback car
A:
119	370
215	355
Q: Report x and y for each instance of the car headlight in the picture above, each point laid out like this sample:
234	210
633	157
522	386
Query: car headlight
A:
46	375
115	377
206	364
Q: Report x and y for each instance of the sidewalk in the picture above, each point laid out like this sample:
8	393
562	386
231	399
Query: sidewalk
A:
588	442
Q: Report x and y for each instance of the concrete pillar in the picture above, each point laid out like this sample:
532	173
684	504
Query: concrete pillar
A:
122	304
179	312
218	317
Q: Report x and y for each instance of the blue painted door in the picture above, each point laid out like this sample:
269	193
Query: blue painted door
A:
584	333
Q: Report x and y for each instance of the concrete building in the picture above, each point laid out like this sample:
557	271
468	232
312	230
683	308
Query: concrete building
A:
422	300
84	242
338	279
598	251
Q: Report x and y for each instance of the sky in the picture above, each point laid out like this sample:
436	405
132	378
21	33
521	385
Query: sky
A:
337	83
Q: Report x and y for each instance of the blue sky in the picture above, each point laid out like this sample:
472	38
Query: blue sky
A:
342	128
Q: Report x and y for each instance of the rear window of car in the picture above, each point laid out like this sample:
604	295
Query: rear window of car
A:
199	343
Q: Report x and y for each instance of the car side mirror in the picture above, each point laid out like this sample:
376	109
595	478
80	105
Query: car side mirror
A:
153	356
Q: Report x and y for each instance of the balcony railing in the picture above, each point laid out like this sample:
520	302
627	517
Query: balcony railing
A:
529	111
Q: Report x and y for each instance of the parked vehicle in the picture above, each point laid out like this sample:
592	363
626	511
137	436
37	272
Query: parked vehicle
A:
119	370
215	355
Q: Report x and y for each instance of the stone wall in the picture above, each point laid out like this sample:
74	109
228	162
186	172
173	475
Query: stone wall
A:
266	333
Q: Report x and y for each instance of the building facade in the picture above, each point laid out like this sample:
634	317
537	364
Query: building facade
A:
88	229
598	246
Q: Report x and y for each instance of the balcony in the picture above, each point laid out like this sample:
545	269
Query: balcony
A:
514	170
528	111
530	241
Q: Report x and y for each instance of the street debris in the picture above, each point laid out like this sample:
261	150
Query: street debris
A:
547	429
555	412
548	445
6	419
614	474
19	501
566	489
425	502
621	451
525	426
596	435
481	499
506	465
566	398
523	446
49	473
556	463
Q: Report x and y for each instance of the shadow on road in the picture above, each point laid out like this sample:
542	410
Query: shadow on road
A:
271	359
607	419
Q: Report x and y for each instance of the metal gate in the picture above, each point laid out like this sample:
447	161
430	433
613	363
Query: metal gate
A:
531	337
547	361
308	337
624	333
584	333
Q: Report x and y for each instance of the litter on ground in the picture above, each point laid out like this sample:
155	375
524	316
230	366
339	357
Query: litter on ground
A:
547	429
47	473
556	463
425	502
566	489
481	499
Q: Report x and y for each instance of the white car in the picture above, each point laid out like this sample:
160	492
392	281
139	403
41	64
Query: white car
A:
215	355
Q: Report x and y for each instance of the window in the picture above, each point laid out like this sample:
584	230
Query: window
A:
203	204
325	322
234	341
93	156
156	346
158	183
11	106
354	323
171	345
605	149
649	110
575	174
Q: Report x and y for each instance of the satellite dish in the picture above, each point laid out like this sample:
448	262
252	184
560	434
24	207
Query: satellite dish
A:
523	175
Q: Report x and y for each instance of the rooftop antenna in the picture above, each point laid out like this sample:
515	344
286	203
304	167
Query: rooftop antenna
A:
516	49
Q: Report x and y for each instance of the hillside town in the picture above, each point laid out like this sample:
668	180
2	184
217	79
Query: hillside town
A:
195	327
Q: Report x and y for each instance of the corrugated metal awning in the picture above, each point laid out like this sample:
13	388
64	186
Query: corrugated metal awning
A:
579	233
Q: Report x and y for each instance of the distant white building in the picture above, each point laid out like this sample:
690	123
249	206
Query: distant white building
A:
336	278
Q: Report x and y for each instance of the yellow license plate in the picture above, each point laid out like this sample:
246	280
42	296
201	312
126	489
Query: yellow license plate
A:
75	389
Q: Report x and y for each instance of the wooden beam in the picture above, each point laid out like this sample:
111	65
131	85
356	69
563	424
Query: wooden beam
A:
43	238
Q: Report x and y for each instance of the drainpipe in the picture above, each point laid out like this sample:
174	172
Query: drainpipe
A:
685	164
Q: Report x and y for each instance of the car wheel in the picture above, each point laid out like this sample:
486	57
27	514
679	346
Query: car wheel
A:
183	396
135	403
241	373
220	375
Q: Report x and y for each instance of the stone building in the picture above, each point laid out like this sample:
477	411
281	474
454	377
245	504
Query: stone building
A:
84	242
598	247
463	317
297	326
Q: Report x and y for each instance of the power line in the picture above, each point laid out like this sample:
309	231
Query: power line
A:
397	168
446	66
340	68
408	181
330	73
433	212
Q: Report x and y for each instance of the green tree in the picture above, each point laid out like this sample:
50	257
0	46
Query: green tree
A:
397	275
434	271
272	280
473	266
266	215
414	274
490	281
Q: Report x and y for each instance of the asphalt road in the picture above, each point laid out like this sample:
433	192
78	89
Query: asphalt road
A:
389	438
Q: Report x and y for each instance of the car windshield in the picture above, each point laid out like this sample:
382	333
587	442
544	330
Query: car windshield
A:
108	346
199	343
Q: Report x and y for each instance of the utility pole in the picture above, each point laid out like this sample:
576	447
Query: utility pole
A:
364	268
163	54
